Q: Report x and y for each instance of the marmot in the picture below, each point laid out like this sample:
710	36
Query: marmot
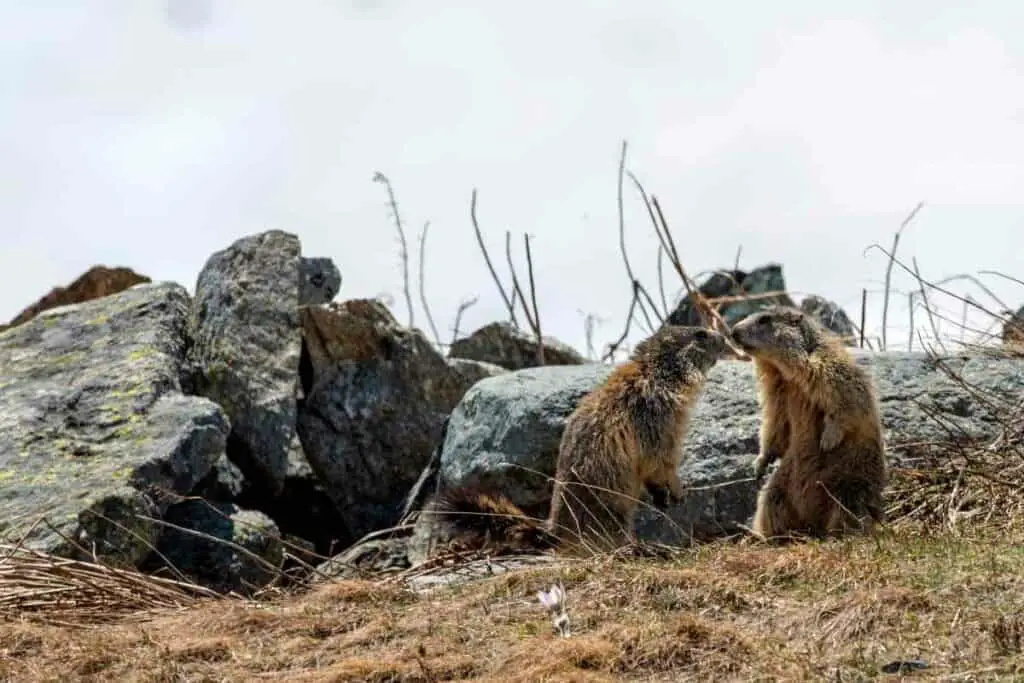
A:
820	419
625	436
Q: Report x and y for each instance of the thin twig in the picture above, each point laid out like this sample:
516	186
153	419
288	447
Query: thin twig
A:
463	306
509	303
533	300
423	294
379	177
888	270
863	313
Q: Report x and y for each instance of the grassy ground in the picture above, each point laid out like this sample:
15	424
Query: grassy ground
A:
837	611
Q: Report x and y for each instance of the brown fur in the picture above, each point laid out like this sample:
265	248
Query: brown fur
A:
820	419
625	436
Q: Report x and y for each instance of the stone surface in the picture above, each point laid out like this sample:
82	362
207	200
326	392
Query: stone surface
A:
832	317
246	349
763	280
95	283
93	426
504	433
503	345
376	394
234	550
319	280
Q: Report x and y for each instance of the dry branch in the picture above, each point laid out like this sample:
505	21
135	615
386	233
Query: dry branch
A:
423	294
464	305
509	303
379	177
888	270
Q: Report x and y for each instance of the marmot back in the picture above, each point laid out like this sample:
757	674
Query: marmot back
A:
820	419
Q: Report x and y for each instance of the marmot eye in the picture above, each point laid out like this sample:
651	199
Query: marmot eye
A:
701	335
764	320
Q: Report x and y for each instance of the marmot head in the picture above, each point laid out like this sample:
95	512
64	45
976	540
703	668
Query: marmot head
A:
778	331
681	348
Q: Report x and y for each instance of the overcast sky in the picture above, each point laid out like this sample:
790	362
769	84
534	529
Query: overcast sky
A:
151	133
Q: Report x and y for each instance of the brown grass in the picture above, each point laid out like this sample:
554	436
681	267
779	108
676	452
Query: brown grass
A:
724	612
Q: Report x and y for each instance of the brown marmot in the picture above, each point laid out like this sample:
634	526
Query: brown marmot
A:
820	419
625	436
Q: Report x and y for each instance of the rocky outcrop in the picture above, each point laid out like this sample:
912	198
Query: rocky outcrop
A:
736	283
94	427
504	433
376	395
95	283
503	345
246	346
832	317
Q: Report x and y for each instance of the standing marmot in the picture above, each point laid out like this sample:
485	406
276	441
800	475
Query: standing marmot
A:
625	436
820	419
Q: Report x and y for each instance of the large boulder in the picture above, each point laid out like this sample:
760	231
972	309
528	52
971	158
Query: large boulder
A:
504	433
246	348
766	280
506	346
376	396
94	428
95	283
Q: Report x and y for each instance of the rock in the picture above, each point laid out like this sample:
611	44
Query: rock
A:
209	558
246	349
319	280
374	556
832	317
93	427
377	395
473	371
224	484
504	433
763	280
505	346
95	283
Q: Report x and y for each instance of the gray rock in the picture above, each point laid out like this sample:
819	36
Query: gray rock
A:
373	556
832	317
503	345
376	397
731	283
93	427
224	484
504	433
234	549
246	348
319	280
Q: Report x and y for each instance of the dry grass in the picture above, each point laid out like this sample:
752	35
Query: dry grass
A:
731	611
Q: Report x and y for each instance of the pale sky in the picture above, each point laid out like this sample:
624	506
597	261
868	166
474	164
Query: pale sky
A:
149	134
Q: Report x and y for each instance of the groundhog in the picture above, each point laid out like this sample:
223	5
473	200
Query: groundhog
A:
820	420
623	438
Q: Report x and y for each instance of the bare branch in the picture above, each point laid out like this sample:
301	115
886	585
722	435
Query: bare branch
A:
509	303
888	269
533	299
464	305
927	307
423	295
661	283
863	313
379	177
